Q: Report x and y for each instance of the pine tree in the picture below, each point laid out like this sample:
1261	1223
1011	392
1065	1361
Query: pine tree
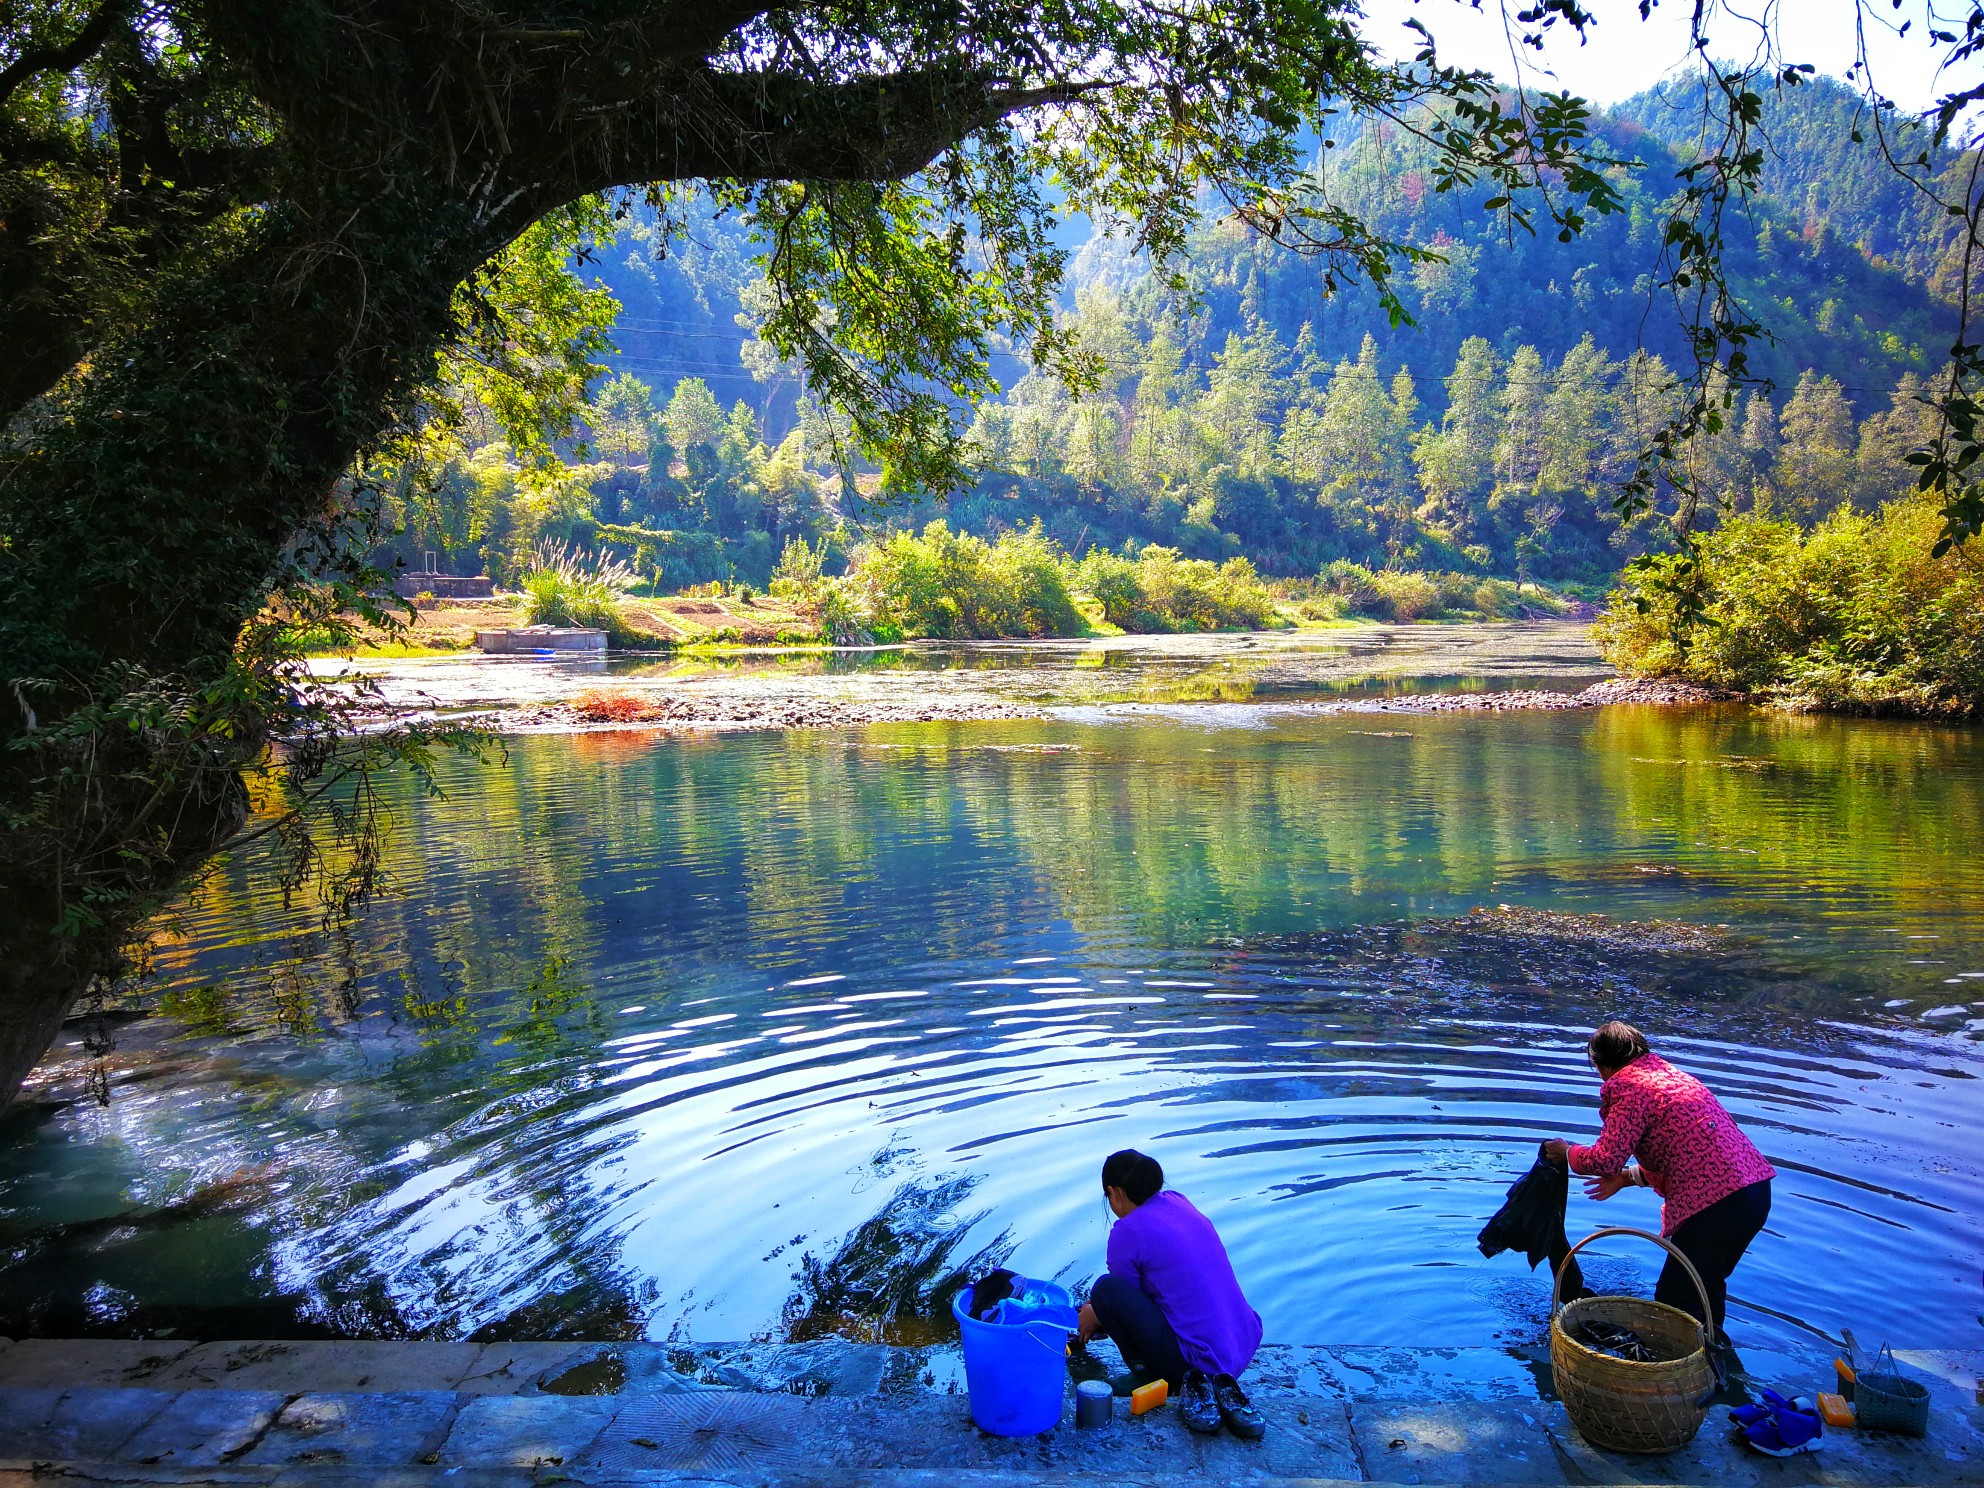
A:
1300	447
1759	446
1157	436
1245	397
1456	466
1576	416
1815	466
1881	471
1519	445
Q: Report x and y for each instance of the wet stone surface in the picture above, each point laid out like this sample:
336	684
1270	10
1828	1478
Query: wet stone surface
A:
822	1415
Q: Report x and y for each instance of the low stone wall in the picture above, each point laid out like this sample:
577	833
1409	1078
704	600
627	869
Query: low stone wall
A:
445	586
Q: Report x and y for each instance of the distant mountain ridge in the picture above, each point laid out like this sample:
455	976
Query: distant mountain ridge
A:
1847	289
1848	266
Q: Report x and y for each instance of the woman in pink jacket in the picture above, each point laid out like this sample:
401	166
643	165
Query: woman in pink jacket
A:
1715	1185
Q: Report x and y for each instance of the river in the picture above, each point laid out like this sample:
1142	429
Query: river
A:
716	1036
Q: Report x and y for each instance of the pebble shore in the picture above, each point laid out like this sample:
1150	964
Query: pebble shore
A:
655	711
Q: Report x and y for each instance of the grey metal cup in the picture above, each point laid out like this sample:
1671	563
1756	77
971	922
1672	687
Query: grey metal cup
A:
1095	1404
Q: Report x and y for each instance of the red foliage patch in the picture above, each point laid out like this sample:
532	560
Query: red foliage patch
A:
601	706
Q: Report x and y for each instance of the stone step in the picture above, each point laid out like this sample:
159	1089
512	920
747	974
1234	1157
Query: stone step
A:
758	1440
820	1415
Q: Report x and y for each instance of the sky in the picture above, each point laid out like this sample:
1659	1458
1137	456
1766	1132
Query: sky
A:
1625	55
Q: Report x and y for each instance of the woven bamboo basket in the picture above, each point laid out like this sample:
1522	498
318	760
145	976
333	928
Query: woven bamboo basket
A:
1619	1404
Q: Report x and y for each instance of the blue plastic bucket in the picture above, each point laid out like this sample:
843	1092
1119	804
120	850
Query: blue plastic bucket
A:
1017	1372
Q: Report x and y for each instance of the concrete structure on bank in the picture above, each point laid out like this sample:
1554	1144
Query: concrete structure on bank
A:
444	586
833	1415
531	640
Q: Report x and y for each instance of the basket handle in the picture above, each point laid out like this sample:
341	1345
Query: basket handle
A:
1708	1308
1557	1286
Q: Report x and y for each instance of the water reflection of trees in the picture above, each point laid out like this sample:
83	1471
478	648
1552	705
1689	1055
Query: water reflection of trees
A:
684	863
893	1278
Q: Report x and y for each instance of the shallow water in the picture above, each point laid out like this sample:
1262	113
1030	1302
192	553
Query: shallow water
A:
1285	665
774	1035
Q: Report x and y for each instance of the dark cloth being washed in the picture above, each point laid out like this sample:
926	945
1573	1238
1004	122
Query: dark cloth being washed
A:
1531	1221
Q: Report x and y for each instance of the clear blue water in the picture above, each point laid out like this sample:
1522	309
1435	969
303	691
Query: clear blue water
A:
777	1035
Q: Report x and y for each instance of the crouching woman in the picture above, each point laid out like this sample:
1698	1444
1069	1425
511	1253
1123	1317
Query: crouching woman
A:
1170	1299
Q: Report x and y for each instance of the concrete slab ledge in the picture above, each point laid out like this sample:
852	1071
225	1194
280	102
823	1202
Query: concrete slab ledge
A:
837	1415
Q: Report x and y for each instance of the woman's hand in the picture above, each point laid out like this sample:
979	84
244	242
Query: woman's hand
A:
1087	1325
1603	1188
1556	1152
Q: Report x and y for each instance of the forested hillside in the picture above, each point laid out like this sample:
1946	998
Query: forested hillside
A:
1258	416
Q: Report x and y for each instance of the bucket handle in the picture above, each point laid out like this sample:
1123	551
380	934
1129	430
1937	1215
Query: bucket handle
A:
1708	1308
1035	1331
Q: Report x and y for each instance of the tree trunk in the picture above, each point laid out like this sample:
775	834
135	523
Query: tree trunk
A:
144	525
37	989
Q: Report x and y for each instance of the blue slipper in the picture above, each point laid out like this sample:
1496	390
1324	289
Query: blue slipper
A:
1786	1428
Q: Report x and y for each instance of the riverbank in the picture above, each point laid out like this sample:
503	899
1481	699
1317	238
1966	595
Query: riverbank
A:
1414	669
607	709
833	1413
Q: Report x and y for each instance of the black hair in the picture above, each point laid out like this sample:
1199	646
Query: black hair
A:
1617	1045
1130	1170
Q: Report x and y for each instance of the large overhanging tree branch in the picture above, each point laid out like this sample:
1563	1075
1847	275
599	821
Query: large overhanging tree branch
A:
243	228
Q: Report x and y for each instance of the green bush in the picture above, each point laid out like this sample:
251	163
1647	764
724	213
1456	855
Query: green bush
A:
1409	594
564	587
1855	616
1159	591
1494	599
1406	595
1354	587
954	585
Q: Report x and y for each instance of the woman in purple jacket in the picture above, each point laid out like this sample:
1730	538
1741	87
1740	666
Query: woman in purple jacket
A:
1171	1301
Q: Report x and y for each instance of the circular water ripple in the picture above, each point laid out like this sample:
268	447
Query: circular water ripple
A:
777	1037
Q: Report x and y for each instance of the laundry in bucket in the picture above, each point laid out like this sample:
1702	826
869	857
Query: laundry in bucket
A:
990	1290
1016	1356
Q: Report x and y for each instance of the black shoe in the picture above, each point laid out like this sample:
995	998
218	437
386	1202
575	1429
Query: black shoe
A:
1239	1413
1200	1409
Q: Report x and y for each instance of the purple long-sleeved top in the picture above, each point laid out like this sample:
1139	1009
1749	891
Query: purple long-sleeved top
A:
1174	1255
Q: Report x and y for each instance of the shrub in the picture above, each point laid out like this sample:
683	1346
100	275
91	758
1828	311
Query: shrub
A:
841	621
951	584
1161	591
1407	596
565	587
1494	599
1321	607
1354	587
1857	616
798	575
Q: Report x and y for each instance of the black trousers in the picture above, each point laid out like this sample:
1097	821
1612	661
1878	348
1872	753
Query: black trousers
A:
1714	1241
1142	1332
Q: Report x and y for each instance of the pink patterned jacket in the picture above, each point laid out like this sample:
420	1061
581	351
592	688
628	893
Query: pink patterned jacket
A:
1689	1149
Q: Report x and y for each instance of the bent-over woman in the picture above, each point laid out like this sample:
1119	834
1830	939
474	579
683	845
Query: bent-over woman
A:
1714	1184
